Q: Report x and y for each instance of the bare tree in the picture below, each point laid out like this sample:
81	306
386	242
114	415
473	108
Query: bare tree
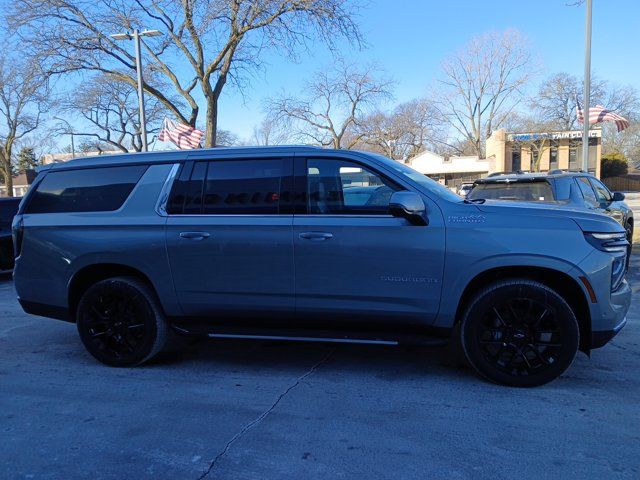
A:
332	105
23	99
482	84
271	132
404	132
206	43
555	101
110	110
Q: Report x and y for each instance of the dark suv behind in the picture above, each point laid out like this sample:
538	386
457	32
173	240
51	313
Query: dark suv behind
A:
8	209
570	189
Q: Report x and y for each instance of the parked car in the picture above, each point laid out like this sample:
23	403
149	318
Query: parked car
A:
464	189
266	241
571	189
8	208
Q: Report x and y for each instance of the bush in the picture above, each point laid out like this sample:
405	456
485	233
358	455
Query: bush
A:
614	165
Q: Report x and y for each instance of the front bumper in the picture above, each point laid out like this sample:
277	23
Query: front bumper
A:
601	338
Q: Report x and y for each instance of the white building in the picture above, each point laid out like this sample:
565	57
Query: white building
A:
451	171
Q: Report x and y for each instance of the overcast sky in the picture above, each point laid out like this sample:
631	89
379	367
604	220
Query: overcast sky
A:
410	38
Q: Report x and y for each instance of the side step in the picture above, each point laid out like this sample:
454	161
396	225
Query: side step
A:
298	335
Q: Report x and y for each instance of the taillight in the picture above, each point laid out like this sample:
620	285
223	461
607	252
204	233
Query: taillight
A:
17	232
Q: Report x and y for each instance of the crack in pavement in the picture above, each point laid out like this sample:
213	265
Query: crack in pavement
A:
264	414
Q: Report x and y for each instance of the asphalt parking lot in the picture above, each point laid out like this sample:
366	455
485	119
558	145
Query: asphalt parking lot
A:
257	410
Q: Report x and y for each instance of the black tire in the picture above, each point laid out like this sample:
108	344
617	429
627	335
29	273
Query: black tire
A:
120	322
520	333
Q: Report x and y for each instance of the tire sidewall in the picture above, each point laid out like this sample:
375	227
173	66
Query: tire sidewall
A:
135	292
495	295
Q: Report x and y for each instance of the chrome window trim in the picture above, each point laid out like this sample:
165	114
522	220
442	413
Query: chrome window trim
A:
163	198
281	215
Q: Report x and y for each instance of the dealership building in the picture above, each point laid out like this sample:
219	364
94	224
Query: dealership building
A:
511	152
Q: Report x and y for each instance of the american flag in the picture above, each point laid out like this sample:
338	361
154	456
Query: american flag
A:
184	137
599	114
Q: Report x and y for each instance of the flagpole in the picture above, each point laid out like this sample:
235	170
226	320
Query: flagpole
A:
587	90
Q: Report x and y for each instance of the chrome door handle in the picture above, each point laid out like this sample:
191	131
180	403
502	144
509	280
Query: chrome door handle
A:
194	235
316	236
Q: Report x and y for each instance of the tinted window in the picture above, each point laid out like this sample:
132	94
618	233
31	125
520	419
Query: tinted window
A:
89	190
602	192
8	210
235	187
340	187
175	204
563	188
193	198
517	191
587	191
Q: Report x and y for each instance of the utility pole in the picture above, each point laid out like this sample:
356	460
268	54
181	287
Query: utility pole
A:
135	36
143	123
587	90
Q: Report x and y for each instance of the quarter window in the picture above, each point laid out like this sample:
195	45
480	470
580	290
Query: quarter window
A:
340	187
99	189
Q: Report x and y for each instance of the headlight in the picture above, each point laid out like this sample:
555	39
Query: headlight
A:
618	269
616	244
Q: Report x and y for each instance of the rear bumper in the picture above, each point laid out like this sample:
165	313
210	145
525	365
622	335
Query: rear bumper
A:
42	310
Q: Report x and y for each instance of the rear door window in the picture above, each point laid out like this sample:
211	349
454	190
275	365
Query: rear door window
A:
229	187
99	189
516	191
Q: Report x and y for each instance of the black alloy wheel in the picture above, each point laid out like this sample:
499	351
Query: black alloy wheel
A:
520	333
120	322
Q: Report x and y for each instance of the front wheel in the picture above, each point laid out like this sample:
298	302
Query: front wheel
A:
120	322
520	333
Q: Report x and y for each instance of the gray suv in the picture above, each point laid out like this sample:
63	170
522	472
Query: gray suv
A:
309	243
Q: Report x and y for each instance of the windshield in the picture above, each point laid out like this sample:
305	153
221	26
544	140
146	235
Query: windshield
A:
417	177
517	191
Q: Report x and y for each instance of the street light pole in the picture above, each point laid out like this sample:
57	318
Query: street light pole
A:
135	36
143	123
587	90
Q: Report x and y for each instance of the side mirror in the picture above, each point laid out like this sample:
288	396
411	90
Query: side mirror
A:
618	196
408	205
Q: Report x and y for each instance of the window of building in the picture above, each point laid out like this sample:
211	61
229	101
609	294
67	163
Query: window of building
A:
575	153
99	189
553	155
516	159
340	187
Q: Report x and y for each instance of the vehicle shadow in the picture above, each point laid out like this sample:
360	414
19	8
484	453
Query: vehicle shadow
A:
383	361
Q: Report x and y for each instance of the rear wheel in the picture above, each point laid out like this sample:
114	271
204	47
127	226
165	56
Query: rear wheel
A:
519	333
120	322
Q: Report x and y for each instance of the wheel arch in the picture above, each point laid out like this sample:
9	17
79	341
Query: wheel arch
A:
564	284
93	273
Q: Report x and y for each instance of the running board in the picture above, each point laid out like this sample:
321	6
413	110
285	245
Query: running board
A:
303	339
316	335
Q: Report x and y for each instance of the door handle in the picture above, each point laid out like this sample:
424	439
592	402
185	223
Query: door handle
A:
316	236
194	235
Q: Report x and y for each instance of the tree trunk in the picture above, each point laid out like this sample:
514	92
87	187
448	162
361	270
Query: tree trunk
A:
212	123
